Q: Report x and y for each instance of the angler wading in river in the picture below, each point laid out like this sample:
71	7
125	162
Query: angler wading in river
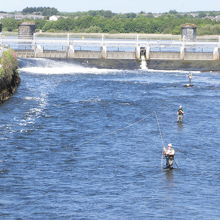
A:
169	153
180	114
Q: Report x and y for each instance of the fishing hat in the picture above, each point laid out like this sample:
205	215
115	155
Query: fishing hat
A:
169	145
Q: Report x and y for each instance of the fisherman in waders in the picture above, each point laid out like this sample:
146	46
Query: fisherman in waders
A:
180	114
169	153
190	79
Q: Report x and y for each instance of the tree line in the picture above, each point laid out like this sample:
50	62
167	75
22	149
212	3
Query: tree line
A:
108	22
45	11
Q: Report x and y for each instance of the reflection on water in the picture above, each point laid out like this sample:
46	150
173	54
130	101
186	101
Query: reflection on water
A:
169	176
180	125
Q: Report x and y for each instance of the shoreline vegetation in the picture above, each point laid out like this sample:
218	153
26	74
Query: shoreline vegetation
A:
9	77
101	21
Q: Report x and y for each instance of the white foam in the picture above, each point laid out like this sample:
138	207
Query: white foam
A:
57	67
31	98
47	66
168	71
65	70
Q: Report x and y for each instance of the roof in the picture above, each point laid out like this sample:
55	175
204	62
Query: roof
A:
188	26
27	23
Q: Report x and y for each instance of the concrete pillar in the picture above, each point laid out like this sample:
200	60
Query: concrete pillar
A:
38	49
216	53
138	55
147	52
104	51
188	32
70	51
182	52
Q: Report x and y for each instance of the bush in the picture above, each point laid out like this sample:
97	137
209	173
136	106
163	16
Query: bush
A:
9	64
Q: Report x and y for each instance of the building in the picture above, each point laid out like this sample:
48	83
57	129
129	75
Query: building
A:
188	32
26	30
54	18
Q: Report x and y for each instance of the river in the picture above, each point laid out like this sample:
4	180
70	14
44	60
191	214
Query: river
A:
83	143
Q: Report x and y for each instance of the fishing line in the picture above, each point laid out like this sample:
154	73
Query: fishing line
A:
162	140
158	124
161	137
115	131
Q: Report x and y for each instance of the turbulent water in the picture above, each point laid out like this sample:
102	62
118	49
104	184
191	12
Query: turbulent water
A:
83	143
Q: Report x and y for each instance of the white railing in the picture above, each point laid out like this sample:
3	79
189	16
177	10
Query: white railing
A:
101	42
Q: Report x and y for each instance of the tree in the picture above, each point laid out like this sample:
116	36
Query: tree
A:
174	12
201	14
9	24
45	11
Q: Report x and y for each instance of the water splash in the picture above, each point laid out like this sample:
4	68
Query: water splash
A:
143	63
46	66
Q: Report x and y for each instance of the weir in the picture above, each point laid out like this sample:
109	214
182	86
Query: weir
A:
142	50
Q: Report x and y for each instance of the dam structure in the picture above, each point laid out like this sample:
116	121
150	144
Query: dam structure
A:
101	48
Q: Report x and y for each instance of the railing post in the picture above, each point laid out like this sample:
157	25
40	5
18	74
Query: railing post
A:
104	51
68	39
102	39
182	52
38	49
138	52
71	51
103	48
216	55
137	39
147	51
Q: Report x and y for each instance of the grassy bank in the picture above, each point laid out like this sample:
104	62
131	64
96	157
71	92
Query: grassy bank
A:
9	77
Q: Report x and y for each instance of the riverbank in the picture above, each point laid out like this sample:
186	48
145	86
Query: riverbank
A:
9	76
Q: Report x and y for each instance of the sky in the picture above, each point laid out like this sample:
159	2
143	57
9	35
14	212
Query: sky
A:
118	6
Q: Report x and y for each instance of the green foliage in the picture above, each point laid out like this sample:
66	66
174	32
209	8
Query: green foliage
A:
202	14
1	72
93	29
207	29
9	63
45	11
40	23
97	21
9	24
173	12
103	13
104	21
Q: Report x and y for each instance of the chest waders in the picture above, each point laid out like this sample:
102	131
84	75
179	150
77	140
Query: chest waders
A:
169	161
180	116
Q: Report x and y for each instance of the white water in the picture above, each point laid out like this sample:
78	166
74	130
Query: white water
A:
143	63
46	66
57	67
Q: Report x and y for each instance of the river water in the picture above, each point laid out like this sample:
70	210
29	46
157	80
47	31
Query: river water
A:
83	143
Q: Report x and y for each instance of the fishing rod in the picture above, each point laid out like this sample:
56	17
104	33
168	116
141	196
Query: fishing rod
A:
176	163
158	125
162	140
161	137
